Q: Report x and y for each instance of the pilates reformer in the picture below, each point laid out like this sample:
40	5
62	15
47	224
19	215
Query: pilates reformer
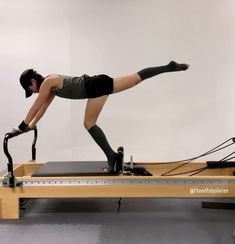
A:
88	179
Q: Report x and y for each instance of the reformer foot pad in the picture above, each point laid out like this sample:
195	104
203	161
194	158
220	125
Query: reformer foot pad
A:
73	168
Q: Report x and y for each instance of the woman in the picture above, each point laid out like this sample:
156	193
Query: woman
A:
95	88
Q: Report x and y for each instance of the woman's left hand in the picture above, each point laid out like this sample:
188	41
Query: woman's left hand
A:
15	129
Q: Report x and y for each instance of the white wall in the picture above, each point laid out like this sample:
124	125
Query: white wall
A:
169	117
33	34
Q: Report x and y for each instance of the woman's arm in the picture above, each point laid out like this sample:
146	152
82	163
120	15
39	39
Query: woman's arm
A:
41	111
43	95
48	85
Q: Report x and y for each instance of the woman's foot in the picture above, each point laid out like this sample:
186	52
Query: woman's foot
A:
115	164
178	67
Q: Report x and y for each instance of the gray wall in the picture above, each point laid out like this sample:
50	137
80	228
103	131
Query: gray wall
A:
169	117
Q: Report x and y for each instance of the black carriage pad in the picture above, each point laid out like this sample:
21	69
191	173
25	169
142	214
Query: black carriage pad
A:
73	168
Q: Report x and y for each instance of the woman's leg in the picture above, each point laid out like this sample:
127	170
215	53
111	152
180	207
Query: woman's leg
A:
126	82
93	108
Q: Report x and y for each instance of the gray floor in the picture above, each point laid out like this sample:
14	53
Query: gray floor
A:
95	221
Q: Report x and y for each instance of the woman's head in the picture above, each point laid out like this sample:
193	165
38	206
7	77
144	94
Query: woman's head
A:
31	81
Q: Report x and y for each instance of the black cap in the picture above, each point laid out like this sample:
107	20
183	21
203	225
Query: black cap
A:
25	81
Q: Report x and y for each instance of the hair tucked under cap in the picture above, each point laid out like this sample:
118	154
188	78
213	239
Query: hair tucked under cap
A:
25	80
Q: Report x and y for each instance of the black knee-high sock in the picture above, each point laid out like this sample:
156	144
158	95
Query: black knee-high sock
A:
100	138
152	71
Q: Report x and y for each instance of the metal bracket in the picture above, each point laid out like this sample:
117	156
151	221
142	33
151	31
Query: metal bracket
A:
11	181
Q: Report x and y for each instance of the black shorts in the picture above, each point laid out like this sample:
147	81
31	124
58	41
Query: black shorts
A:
98	85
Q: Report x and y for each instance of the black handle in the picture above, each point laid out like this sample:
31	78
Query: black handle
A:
10	179
17	133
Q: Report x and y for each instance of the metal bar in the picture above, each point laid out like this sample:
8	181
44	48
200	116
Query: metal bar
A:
10	178
34	143
127	182
218	205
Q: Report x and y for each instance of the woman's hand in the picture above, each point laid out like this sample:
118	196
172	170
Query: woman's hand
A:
16	129
31	126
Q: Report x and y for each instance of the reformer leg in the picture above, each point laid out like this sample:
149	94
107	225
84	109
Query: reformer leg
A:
9	208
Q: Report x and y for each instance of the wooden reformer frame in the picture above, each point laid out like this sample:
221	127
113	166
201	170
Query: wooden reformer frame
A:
18	183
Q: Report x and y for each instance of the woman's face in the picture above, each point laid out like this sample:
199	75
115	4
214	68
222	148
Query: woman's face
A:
33	86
